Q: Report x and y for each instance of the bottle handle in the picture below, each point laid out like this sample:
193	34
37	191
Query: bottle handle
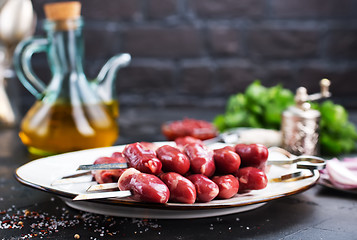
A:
23	67
106	75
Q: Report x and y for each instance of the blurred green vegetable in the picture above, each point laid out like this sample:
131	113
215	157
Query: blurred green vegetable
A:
337	134
261	107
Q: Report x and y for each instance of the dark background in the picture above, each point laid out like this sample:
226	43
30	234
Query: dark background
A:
192	55
196	53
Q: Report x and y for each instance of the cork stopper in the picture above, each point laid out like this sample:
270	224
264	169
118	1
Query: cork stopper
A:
60	11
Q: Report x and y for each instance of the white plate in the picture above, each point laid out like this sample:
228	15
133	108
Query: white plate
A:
42	172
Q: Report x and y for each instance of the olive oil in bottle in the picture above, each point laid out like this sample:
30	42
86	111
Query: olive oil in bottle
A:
50	129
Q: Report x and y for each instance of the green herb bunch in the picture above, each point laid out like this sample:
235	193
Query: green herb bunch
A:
262	107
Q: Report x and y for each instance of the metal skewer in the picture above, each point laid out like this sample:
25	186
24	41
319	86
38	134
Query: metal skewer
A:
116	194
291	177
313	160
71	181
302	162
104	186
77	175
104	166
74	178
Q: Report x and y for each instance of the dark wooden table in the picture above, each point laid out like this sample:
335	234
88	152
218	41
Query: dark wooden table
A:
25	213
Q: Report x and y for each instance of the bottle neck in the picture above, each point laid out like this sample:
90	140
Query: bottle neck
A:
66	46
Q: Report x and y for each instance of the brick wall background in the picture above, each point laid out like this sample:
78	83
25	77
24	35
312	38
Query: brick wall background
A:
195	53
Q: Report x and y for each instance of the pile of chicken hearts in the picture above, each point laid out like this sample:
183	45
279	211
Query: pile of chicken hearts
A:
187	173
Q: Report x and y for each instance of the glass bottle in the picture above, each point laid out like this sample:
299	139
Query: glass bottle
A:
69	114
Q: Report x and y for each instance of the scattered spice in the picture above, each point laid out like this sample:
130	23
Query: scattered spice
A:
27	213
35	224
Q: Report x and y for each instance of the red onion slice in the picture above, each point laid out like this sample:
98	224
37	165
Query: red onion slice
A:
340	175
